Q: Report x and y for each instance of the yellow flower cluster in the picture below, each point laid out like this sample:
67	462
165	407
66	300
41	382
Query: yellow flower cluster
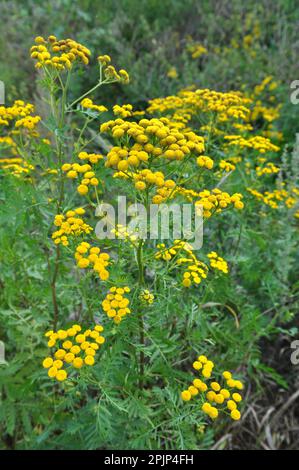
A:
214	393
70	225
89	104
196	50
172	73
274	198
168	253
28	122
226	166
268	169
116	305
73	348
121	76
89	177
217	200
261	109
242	127
235	159
15	166
123	111
21	113
87	255
122	158
195	270
110	72
209	202
123	233
73	169
266	83
267	113
188	194
93	158
147	179
151	138
205	162
259	143
104	59
60	55
146	296
217	262
187	103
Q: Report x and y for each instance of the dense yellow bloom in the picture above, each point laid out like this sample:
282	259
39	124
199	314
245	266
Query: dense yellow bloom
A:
19	118
206	162
166	141
116	304
123	111
278	197
87	255
89	104
146	296
268	169
148	179
149	138
216	201
217	399
61	55
226	166
187	103
160	188
83	352
69	225
18	110
16	166
93	158
28	122
194	269
259	143
217	262
88	176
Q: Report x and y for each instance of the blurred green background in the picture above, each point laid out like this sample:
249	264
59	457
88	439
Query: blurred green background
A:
245	41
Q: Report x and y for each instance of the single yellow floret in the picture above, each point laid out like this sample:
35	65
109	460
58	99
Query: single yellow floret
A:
47	362
186	395
235	415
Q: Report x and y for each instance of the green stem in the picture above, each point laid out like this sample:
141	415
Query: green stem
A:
86	94
140	317
59	116
139	255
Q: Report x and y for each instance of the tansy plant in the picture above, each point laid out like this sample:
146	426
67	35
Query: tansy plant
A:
183	149
152	156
